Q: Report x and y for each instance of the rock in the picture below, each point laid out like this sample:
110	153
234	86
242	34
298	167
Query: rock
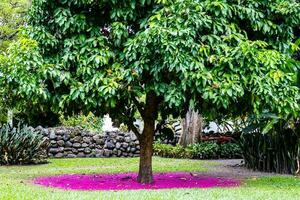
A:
77	139
115	152
39	128
110	145
61	149
119	153
60	132
66	137
121	134
99	156
133	137
87	150
99	152
132	150
81	149
59	155
84	133
74	150
100	142
81	155
118	145
89	155
77	145
96	137
60	143
84	145
52	135
53	150
86	140
71	156
127	139
125	145
120	138
112	134
59	137
45	132
107	152
68	144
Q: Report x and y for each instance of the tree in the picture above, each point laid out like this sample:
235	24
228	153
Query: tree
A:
12	16
161	58
192	126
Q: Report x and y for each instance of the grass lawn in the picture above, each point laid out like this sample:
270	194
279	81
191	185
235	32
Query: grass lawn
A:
15	181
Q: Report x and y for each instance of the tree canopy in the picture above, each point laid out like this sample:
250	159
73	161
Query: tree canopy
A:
12	16
159	57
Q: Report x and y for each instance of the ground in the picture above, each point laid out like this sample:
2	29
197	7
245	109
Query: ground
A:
15	182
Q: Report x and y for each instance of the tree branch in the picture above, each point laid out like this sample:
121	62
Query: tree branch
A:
139	106
134	129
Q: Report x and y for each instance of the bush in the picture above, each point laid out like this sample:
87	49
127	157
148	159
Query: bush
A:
21	145
271	144
169	151
230	150
88	122
204	150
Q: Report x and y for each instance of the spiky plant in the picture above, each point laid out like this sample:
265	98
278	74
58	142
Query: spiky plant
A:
21	145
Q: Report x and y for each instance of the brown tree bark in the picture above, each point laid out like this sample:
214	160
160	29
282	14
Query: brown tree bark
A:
191	128
146	139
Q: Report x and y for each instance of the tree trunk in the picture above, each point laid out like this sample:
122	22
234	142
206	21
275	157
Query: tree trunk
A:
146	144
191	128
146	140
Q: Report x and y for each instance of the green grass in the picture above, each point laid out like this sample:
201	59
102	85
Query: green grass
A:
15	182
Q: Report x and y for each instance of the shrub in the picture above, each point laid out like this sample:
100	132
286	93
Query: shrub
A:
88	122
21	145
271	144
204	150
169	151
230	150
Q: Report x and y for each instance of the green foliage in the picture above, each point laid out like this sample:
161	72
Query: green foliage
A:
214	55
12	16
170	151
23	74
88	122
21	146
274	149
203	150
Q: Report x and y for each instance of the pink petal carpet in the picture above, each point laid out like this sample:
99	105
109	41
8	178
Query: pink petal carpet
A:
127	181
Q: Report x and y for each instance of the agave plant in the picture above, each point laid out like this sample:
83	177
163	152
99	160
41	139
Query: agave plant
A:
21	145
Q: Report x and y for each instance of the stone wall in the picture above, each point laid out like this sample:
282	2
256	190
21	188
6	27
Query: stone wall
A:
76	142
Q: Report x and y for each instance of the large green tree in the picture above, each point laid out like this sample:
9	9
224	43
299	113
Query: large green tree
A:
12	17
160	58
